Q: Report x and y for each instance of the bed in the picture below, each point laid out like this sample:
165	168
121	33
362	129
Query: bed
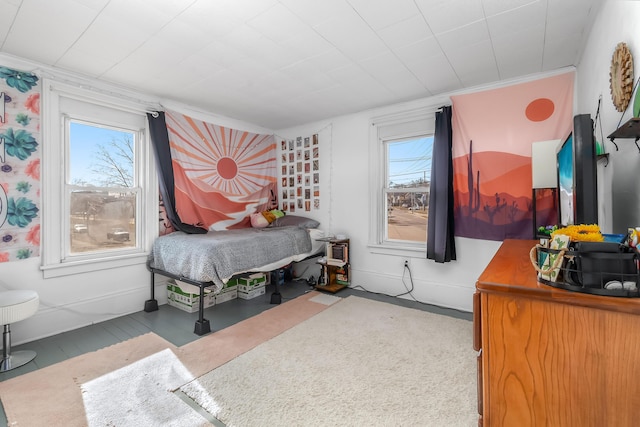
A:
210	260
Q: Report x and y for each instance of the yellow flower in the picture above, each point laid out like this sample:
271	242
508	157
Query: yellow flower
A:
581	233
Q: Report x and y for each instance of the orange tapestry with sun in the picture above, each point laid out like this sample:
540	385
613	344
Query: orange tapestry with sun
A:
492	135
222	175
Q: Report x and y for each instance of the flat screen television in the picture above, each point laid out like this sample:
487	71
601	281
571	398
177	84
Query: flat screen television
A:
577	175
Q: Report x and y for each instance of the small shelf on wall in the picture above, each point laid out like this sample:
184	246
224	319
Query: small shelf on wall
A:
629	130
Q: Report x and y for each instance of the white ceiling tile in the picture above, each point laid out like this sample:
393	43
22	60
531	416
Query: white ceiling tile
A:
247	9
314	12
474	63
346	74
460	37
8	13
306	44
222	53
183	36
330	60
210	18
90	62
519	53
445	15
156	51
308	73
381	14
139	14
107	38
338	29
495	7
361	48
517	20
435	73
96	5
405	32
421	49
52	38
277	23
406	86
558	54
380	66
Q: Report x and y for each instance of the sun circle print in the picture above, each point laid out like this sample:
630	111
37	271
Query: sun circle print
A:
227	168
539	109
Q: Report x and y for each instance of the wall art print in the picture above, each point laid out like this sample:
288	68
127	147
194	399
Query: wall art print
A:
300	174
222	175
492	135
19	165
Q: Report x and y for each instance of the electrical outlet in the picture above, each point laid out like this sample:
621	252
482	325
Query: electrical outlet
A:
407	263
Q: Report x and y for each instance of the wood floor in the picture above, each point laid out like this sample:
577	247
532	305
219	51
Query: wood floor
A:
175	326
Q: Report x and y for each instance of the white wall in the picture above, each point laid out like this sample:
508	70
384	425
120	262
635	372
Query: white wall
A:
617	21
344	156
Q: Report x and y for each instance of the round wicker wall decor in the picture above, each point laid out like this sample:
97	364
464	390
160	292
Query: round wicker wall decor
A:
621	77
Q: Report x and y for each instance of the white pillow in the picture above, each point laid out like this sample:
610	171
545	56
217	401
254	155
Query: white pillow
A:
258	220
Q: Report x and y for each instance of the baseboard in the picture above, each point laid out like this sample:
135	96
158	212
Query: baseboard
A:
52	320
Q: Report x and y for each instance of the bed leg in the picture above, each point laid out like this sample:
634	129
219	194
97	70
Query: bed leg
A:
202	325
151	304
276	298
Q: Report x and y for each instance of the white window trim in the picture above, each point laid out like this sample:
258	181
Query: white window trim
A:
53	193
377	163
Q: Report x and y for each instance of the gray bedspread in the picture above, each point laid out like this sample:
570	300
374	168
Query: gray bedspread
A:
218	255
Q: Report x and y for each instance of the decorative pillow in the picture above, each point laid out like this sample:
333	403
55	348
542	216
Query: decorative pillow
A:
258	220
270	217
277	213
298	221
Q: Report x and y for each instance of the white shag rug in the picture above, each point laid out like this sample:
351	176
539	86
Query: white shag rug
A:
141	394
360	362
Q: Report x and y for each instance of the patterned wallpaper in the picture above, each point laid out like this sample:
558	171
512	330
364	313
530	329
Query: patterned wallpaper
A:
19	165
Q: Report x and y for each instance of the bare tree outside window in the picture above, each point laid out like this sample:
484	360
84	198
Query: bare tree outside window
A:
114	162
102	188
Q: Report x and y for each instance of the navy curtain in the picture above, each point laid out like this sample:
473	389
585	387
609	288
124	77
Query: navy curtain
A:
160	143
441	246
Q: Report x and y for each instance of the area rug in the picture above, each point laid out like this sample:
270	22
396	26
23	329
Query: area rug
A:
359	362
52	396
141	394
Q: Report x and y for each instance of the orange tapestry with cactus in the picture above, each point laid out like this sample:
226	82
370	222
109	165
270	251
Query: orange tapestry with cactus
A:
492	135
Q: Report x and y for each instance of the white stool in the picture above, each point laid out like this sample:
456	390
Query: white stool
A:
15	306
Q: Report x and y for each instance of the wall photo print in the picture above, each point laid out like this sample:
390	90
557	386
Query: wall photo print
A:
300	166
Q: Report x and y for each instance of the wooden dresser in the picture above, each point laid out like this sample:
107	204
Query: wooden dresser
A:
550	357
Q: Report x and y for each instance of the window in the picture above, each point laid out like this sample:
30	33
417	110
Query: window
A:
408	172
400	176
99	185
102	189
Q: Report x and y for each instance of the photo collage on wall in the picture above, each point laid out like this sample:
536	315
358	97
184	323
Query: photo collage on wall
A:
300	174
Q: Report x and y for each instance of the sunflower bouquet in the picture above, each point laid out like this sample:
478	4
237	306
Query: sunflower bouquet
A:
580	233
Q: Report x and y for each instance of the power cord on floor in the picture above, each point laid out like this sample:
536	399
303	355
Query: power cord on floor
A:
408	292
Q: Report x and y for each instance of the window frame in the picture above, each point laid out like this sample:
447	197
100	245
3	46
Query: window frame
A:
55	259
67	256
413	123
388	190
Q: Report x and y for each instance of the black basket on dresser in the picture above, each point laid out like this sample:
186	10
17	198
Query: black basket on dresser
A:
600	268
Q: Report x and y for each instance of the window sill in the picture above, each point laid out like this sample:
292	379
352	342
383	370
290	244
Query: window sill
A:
402	250
88	266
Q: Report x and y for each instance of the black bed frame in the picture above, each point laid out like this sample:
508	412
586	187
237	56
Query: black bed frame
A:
202	325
